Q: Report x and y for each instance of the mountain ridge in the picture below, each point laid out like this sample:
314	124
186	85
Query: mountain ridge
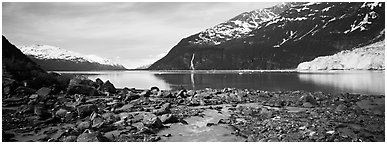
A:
55	58
301	33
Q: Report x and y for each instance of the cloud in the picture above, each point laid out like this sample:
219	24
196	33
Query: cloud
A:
131	31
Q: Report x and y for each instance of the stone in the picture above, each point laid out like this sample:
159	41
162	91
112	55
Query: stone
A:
182	94
307	105
109	87
131	96
44	91
127	107
341	108
168	118
81	89
145	93
98	121
83	126
41	111
70	138
21	90
86	110
154	90
165	108
110	117
61	113
191	93
90	136
99	84
153	122
308	98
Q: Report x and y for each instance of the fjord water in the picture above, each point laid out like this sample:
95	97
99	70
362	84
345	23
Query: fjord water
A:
362	82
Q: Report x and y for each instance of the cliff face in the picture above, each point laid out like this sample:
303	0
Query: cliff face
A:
16	65
370	57
298	34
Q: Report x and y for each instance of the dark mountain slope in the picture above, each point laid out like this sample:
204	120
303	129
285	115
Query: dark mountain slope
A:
300	33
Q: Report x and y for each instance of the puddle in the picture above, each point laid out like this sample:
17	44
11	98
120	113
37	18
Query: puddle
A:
198	131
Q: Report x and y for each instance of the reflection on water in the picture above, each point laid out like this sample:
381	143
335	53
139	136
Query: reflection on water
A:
365	82
355	81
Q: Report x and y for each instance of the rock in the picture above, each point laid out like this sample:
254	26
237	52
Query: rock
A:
112	135
110	117
99	84
109	87
182	94
61	113
21	90
165	108
127	107
131	96
210	124
44	91
191	93
83	126
145	93
90	136
341	108
86	110
168	118
41	111
153	122
154	90
34	96
307	105
308	98
81	89
168	94
97	122
70	138
266	113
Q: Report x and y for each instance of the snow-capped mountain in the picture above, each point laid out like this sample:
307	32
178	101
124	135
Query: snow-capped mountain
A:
370	57
49	57
240	25
300	32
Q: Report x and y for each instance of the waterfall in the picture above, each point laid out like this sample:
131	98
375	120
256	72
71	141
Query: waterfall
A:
192	64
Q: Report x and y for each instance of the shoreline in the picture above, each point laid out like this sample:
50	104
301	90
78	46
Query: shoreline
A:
215	114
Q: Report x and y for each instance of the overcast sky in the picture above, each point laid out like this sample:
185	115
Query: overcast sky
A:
133	34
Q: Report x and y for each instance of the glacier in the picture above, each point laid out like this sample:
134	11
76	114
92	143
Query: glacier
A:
370	57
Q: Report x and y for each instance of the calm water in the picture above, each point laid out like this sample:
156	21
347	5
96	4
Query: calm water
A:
364	82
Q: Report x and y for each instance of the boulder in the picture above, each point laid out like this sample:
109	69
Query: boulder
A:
341	108
21	90
308	98
61	113
99	84
81	89
154	90
70	138
90	136
182	94
109	87
153	122
145	93
83	126
191	93
307	105
86	110
165	108
168	118
41	111
110	117
44	91
131	96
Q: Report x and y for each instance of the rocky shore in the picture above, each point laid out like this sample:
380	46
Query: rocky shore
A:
96	111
